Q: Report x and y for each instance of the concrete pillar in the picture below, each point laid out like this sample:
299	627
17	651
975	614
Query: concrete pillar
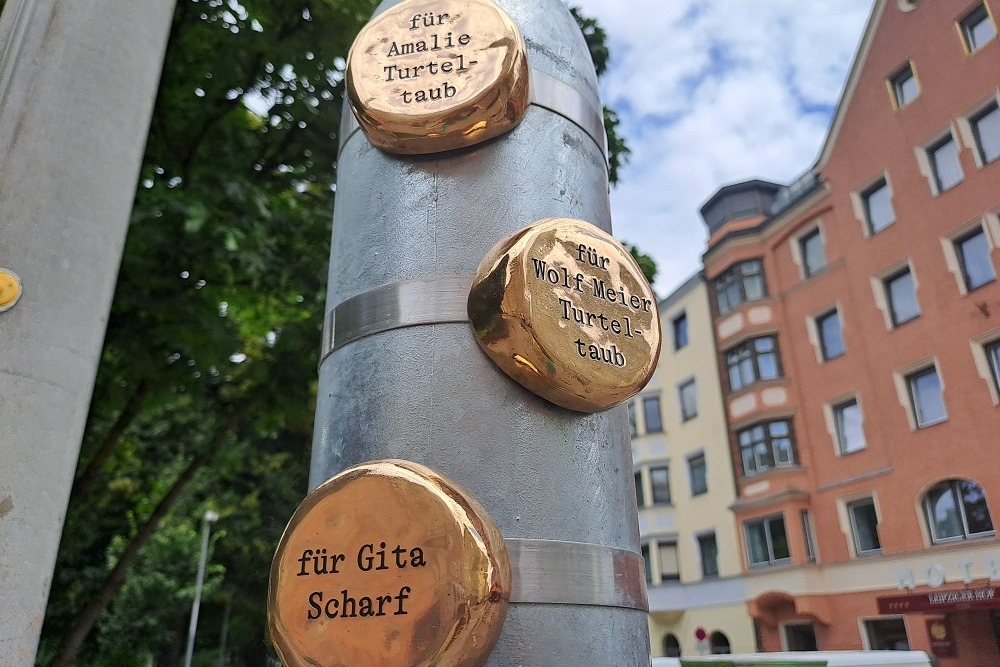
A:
77	85
428	393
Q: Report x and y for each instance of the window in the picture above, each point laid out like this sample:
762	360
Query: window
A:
943	157
640	497
633	428
738	284
698	474
811	250
904	86
718	644
766	445
973	252
956	510
831	338
659	478
986	132
902	296
864	527
680	327
926	398
977	28
993	354
800	637
671	646
808	535
752	361
887	634
877	202
766	541
651	414
709	550
847	422
648	563
668	561
687	394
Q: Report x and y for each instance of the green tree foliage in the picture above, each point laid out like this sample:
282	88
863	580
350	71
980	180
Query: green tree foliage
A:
597	42
205	391
645	262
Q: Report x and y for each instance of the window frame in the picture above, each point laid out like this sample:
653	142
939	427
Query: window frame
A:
931	151
672	576
890	302
809	536
765	521
868	629
967	24
975	129
991	349
840	433
736	277
816	233
699	540
818	321
679	328
691	461
686	413
665	467
850	507
897	85
770	439
748	347
657	427
957	243
910	379
640	489
953	487
865	197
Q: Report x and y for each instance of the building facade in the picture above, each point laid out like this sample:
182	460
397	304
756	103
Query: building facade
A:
856	315
684	485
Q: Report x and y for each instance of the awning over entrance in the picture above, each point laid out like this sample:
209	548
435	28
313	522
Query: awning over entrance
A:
768	607
937	601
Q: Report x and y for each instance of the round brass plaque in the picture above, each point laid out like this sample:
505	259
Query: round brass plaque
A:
10	289
563	309
388	563
433	75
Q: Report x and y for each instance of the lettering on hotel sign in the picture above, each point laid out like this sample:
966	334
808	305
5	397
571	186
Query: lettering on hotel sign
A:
564	310
427	76
388	563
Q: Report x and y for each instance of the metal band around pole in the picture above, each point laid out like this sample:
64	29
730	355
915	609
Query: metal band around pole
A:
408	303
547	92
553	572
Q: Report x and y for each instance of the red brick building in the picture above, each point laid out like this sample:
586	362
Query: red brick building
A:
857	318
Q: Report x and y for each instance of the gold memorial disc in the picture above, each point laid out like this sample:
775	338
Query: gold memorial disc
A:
10	289
388	563
563	309
433	75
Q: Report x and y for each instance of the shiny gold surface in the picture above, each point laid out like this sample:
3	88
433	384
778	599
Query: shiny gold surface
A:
424	563
10	289
433	75
564	310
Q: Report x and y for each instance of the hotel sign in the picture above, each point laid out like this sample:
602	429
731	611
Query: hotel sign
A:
985	597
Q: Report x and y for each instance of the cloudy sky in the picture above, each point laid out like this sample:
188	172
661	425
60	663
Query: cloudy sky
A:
712	92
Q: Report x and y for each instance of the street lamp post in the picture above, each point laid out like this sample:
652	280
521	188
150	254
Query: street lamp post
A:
206	527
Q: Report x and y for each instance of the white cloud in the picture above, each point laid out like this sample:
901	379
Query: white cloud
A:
711	93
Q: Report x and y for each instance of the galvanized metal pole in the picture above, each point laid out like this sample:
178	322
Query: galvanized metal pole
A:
77	84
416	228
